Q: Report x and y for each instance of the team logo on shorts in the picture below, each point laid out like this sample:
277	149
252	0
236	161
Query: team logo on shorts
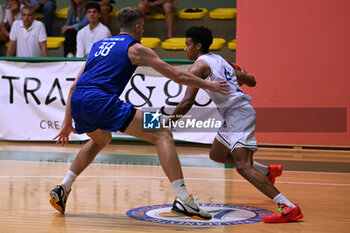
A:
152	120
222	215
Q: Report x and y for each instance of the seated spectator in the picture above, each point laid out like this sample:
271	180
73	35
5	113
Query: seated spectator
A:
168	7
11	14
47	7
92	32
107	7
27	36
2	11
75	21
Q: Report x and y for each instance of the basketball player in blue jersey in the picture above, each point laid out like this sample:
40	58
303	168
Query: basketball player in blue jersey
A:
94	104
234	144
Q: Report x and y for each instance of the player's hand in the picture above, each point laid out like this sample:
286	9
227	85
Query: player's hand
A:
63	136
218	86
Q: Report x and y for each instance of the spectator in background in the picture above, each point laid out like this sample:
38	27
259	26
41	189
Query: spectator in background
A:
27	36
92	32
168	7
11	15
47	7
107	7
2	11
75	21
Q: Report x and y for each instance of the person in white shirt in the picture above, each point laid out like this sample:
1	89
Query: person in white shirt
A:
92	32
27	36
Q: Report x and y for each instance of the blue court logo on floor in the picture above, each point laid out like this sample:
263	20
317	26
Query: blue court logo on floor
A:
152	119
223	215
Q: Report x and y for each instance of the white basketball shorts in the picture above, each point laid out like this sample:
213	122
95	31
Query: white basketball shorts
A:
238	129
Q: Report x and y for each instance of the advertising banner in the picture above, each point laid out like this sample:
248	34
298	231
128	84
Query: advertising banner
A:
33	98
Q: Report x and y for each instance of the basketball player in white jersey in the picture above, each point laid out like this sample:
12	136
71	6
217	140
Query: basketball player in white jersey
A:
234	144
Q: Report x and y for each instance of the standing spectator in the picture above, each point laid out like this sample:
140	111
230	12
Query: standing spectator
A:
168	7
92	32
107	7
11	15
27	36
75	21
47	7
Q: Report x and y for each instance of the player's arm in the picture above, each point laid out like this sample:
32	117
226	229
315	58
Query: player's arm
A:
244	78
200	69
242	75
139	54
67	127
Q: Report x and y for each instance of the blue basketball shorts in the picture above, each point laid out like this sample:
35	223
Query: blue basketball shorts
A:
92	109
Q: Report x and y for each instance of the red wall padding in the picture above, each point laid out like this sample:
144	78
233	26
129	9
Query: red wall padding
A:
299	52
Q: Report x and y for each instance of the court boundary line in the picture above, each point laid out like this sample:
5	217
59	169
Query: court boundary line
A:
145	165
161	177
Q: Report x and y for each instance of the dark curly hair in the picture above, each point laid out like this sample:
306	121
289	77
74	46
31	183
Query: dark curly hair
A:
201	35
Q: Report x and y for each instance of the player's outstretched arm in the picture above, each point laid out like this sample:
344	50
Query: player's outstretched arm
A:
139	54
201	70
67	127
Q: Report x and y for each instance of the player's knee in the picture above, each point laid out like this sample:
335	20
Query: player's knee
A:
164	135
242	168
167	134
104	141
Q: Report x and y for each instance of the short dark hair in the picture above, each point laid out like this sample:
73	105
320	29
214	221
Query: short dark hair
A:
93	5
128	17
200	35
31	9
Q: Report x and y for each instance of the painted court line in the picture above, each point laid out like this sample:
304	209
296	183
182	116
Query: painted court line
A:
160	177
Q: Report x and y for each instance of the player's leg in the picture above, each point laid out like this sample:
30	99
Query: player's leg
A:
243	159
163	140
221	154
99	139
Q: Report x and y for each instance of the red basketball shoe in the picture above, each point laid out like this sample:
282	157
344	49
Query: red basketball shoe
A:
285	214
275	170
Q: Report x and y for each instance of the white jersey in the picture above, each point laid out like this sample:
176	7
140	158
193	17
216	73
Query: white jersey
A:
222	70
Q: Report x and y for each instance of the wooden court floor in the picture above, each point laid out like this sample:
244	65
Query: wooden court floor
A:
106	191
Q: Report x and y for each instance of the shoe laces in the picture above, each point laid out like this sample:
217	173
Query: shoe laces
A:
193	199
281	207
196	199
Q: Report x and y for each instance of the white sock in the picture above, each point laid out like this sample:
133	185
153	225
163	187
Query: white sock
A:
280	198
69	179
260	167
180	189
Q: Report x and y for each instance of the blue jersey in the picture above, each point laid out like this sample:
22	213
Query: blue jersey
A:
108	66
95	103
